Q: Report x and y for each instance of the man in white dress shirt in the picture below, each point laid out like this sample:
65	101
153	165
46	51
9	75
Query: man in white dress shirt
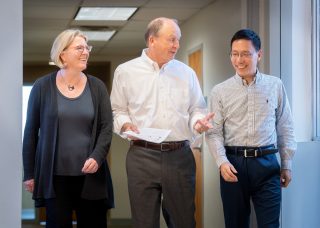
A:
157	91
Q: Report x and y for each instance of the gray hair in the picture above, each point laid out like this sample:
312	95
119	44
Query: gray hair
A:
62	42
155	26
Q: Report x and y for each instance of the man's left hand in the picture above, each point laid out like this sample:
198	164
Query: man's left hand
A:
204	124
285	177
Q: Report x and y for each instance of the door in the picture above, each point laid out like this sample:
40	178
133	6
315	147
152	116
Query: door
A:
195	62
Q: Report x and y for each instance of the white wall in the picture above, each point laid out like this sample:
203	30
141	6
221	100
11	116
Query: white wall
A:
10	114
274	44
118	150
212	28
300	205
301	68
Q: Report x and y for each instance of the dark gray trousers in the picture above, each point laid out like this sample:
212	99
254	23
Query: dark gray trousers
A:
157	178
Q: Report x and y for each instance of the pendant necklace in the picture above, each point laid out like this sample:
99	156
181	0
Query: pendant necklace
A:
70	87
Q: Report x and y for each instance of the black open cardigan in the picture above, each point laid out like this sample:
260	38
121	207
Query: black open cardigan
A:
40	136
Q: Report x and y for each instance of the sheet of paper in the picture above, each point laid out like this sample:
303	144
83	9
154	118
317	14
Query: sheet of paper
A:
150	134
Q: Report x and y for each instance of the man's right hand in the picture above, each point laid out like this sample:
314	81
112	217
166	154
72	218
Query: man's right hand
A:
130	127
228	172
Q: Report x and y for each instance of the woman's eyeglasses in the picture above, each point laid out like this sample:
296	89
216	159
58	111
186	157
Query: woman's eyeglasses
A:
81	48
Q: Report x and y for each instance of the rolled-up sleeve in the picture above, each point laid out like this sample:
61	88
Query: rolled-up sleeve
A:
197	109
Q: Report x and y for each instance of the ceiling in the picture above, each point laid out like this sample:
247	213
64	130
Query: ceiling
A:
43	20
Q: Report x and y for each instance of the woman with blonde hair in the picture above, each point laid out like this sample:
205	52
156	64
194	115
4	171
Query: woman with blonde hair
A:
67	137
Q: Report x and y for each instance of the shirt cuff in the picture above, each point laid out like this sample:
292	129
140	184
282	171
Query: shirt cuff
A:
193	121
286	164
220	160
118	123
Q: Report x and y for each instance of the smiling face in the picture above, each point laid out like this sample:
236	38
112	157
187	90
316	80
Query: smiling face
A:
76	55
164	45
244	58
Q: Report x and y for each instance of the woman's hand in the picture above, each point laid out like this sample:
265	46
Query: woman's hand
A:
90	166
29	185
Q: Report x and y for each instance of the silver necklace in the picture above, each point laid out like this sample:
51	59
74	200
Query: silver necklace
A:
69	86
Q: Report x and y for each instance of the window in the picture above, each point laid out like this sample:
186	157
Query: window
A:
316	67
28	211
25	97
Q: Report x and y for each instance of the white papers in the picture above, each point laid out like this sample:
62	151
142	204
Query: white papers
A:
150	134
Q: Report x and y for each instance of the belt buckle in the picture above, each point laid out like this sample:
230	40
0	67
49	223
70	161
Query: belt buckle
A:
164	143
248	156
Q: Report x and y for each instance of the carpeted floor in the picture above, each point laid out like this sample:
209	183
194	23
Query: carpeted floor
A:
116	224
39	226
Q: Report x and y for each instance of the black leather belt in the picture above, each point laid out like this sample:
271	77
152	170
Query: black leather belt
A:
164	146
251	152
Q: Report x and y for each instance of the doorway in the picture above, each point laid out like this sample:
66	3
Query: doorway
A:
195	62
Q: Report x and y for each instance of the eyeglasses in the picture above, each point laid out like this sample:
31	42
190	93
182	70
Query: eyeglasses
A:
246	55
81	48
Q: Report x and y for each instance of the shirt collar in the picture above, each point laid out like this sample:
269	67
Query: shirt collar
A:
258	77
151	62
256	80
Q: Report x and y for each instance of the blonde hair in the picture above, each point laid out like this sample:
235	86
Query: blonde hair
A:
62	42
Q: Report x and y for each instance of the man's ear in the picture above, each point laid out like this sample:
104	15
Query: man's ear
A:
259	54
151	41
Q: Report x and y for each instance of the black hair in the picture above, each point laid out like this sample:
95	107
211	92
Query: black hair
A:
247	34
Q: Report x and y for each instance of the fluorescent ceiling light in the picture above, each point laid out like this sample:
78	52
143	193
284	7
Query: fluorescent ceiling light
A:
105	13
99	35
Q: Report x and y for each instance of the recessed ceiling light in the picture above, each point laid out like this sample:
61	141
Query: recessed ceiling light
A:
99	35
105	13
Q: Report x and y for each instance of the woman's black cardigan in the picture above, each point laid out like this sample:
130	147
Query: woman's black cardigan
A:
40	137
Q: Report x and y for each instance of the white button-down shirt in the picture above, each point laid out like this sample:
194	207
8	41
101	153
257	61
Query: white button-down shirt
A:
251	115
166	98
